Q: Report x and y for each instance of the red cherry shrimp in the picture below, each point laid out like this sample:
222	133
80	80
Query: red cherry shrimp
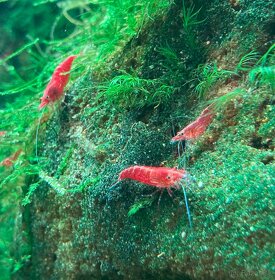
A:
55	89
195	128
159	177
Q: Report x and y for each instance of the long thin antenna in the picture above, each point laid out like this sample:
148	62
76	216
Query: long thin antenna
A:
113	186
36	135
187	207
184	151
178	146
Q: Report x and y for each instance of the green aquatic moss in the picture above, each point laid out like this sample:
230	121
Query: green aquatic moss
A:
207	76
128	91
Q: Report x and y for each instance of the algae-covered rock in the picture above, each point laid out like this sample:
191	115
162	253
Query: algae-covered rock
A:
79	220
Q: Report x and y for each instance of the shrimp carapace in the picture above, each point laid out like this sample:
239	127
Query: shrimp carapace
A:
196	128
160	177
55	88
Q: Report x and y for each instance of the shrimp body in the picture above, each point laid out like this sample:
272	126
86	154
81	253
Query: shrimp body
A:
160	177
9	161
196	128
59	80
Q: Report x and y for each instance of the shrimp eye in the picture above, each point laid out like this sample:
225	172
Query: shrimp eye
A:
180	134
168	177
47	97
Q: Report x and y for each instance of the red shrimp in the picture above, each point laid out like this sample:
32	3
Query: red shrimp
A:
55	88
196	128
9	161
2	133
160	177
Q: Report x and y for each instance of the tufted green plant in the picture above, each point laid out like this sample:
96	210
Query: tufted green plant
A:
207	76
263	76
260	71
129	91
190	20
264	72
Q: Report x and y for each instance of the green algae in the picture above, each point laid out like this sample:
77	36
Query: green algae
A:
139	205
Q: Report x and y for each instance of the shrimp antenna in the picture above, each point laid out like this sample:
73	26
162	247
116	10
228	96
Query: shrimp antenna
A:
187	207
179	148
114	185
36	135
